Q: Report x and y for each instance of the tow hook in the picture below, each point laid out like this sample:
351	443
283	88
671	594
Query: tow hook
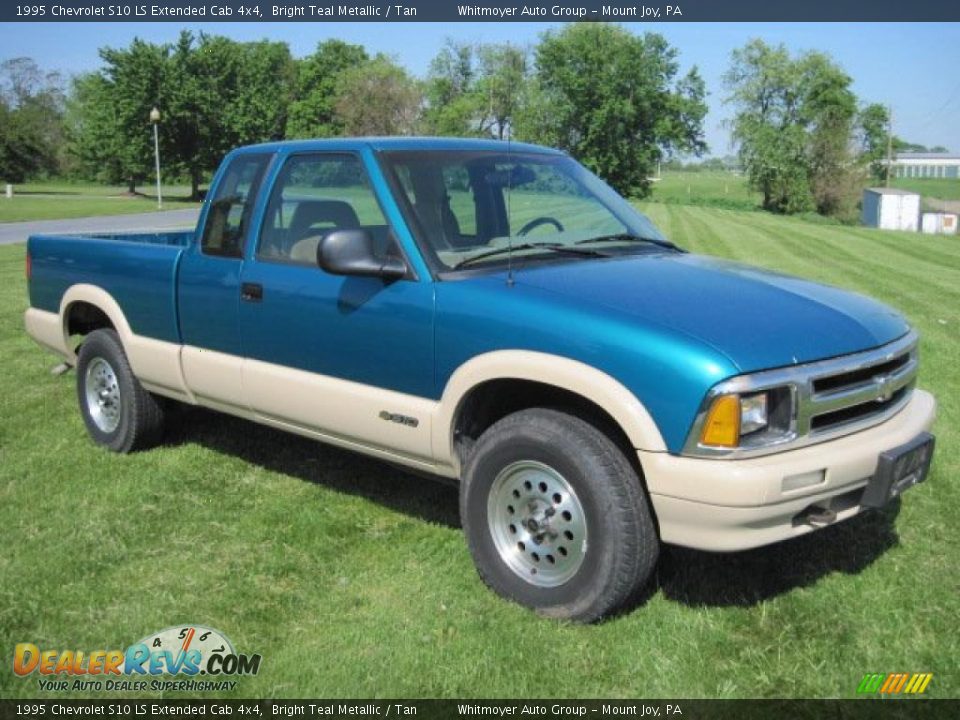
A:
820	516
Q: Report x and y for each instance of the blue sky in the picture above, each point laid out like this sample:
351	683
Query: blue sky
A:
912	67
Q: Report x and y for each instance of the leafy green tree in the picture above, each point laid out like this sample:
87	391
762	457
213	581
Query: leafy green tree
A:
94	139
452	104
31	120
313	111
802	138
903	146
768	127
222	94
21	147
109	115
476	89
501	86
829	110
137	81
378	98
614	100
260	102
874	124
212	92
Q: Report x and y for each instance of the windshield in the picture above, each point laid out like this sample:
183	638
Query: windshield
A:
469	207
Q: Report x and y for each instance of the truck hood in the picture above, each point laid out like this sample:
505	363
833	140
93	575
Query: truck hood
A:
757	318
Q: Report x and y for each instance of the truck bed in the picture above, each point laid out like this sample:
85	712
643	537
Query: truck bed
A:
138	269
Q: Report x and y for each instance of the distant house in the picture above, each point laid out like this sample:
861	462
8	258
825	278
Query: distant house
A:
926	165
891	209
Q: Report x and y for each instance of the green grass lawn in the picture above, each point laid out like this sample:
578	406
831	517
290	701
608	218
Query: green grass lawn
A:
931	188
59	200
351	577
717	189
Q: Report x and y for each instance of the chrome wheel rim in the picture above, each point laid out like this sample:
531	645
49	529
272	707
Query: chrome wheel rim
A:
103	395
537	523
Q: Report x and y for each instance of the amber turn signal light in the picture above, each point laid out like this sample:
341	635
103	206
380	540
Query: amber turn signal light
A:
722	426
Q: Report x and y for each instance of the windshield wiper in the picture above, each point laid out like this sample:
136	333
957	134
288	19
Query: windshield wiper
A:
626	237
554	247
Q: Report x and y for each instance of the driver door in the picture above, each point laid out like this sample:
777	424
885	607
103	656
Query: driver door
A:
328	354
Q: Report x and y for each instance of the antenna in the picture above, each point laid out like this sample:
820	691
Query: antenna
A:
509	195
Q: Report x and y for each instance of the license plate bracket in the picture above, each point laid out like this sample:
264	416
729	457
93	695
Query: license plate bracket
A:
898	470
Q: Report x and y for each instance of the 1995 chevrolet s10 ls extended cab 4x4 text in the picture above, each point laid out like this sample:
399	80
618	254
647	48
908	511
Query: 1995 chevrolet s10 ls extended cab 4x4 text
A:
495	314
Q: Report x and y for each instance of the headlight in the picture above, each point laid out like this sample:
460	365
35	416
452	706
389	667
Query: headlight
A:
753	413
750	419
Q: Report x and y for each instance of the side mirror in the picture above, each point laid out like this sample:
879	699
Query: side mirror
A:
350	252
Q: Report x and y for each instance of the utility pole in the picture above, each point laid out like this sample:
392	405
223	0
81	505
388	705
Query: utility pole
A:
889	141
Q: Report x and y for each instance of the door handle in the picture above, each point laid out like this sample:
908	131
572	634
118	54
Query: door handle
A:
251	292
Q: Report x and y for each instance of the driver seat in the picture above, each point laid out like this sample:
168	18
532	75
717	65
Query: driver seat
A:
313	220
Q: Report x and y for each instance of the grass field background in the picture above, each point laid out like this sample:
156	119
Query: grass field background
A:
352	578
931	188
59	200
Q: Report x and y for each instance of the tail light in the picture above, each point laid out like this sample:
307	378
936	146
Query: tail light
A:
29	267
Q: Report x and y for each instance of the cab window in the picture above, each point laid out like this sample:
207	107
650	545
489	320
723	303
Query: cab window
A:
314	195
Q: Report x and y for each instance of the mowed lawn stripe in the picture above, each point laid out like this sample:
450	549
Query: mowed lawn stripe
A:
876	251
751	243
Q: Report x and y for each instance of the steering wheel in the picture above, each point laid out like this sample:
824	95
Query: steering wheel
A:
537	222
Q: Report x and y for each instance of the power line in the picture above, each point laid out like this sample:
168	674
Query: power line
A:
954	95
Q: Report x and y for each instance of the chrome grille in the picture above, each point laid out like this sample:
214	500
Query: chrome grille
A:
871	388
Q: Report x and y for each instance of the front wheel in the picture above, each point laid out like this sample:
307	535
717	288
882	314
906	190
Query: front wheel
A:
556	517
118	412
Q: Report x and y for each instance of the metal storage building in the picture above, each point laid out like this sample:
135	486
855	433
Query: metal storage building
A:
926	165
891	209
939	223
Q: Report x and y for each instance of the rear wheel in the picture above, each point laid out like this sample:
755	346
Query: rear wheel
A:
118	412
556	517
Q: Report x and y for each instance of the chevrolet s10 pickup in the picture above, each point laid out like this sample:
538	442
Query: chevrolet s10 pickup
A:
495	314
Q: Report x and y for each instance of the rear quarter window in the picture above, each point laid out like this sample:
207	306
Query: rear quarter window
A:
228	220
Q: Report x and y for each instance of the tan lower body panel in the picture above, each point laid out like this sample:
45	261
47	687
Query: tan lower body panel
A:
339	412
332	410
46	329
214	378
158	367
738	504
340	408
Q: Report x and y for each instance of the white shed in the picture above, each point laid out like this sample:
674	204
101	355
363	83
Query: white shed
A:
891	209
939	224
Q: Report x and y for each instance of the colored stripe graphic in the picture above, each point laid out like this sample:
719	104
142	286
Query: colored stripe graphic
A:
870	683
894	683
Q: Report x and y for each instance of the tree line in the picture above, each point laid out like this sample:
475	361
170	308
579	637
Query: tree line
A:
616	101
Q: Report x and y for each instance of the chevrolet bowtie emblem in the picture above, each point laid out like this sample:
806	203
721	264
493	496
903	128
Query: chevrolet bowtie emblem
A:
885	386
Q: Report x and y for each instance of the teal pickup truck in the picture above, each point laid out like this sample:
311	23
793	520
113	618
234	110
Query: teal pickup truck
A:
496	315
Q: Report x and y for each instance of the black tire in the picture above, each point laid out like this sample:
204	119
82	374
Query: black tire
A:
133	423
622	550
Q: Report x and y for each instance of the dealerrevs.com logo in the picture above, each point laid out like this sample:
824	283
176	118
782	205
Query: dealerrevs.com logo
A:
184	650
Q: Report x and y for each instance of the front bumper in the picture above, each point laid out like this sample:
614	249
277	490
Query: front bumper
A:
724	505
